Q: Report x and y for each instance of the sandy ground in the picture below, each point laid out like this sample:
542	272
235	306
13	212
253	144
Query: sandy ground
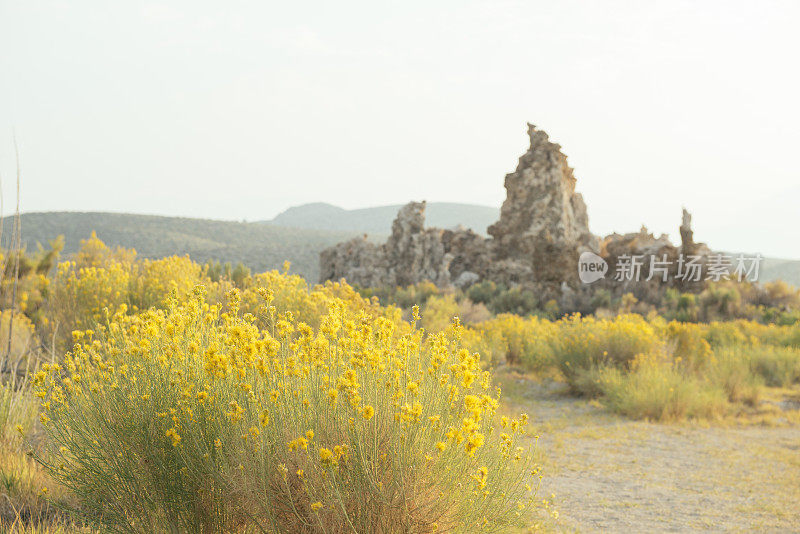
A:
611	474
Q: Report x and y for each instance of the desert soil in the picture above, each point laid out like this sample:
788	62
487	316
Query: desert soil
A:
608	473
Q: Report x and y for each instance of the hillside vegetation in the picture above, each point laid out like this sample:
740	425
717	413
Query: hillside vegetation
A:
259	246
298	234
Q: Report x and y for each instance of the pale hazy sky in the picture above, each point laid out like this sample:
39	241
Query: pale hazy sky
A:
238	110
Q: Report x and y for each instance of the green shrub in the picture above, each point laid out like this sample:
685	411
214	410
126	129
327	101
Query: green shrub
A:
657	389
778	366
725	334
730	370
720	302
515	300
484	292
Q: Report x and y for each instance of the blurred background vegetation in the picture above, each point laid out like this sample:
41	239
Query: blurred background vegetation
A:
298	234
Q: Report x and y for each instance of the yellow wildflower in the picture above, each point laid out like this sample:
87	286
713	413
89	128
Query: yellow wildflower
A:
327	457
367	412
176	438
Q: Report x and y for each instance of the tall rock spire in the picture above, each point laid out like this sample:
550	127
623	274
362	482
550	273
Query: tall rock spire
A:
543	220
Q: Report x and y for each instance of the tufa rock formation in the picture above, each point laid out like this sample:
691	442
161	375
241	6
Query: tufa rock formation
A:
412	254
542	231
543	226
660	266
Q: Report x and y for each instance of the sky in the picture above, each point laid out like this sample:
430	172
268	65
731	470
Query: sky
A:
240	109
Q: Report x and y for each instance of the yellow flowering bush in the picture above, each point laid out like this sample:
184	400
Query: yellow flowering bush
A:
687	343
528	341
94	253
200	417
96	279
585	342
100	280
287	293
572	344
438	312
152	280
80	296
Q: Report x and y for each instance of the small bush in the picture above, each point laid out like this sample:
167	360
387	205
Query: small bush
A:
731	370
515	300
687	344
484	292
584	343
438	312
727	334
777	366
657	389
472	313
525	341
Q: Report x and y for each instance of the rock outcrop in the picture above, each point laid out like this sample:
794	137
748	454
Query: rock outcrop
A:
543	224
411	255
414	253
645	265
688	246
359	261
542	232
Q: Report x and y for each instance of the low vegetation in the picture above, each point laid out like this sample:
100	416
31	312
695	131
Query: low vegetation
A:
192	402
141	395
652	368
258	245
697	356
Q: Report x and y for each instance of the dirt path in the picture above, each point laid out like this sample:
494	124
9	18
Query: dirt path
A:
611	474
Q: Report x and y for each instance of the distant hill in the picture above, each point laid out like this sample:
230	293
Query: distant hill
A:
267	244
778	269
378	220
258	246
